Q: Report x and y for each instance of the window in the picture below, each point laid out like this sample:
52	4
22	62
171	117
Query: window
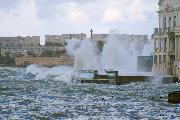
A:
164	24
160	60
172	45
172	58
164	58
160	44
174	22
165	44
169	21
169	28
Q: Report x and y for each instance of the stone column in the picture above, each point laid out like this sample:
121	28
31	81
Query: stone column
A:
177	48
168	44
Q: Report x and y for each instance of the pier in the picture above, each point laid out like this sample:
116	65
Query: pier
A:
112	77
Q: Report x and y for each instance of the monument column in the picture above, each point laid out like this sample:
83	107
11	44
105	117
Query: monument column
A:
91	34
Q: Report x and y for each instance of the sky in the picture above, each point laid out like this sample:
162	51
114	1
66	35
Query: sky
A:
41	17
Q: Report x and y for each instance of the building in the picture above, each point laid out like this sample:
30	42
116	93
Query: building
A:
81	36
20	46
19	42
13	52
54	40
100	40
59	40
55	44
26	51
100	37
167	39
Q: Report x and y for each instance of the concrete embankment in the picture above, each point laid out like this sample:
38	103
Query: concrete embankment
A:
44	61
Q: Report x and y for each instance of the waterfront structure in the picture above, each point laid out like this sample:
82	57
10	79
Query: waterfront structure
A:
45	61
167	39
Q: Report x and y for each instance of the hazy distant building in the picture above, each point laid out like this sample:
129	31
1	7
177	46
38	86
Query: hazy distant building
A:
167	38
54	40
76	36
138	41
55	44
19	42
59	40
13	52
22	52
100	37
20	46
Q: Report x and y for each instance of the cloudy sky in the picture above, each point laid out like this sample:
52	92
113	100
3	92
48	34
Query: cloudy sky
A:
40	17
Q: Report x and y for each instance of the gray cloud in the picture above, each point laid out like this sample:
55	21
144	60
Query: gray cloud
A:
52	2
29	17
47	8
9	4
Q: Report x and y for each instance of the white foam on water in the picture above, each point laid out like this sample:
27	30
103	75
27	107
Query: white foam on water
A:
35	69
57	73
156	80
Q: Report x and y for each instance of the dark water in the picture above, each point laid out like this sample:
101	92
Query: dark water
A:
23	97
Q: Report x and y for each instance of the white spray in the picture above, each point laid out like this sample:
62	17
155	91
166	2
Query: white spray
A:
117	54
84	52
65	74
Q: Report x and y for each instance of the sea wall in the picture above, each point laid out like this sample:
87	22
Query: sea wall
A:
48	62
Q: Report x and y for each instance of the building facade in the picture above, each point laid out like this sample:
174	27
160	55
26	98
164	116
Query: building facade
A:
59	40
167	39
19	42
55	44
20	46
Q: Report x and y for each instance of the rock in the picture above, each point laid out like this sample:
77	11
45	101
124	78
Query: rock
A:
174	97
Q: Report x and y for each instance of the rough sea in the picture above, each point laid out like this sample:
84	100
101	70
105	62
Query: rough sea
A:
24	97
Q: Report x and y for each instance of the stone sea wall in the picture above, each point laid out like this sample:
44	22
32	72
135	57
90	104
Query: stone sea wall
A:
48	62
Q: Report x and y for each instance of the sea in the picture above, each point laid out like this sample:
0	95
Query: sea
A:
38	93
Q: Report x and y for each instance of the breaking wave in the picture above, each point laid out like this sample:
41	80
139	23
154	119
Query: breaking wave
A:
65	74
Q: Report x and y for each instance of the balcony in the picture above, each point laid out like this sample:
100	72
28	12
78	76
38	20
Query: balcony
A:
156	31
177	29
